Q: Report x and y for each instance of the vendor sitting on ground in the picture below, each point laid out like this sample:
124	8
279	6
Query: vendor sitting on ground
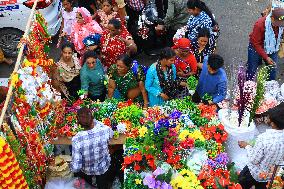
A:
92	77
212	81
90	153
267	152
128	82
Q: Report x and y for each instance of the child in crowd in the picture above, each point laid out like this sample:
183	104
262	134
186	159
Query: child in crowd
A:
69	18
105	14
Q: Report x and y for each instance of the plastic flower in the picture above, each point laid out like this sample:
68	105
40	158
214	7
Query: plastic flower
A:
158	171
142	131
149	181
196	134
183	135
138	181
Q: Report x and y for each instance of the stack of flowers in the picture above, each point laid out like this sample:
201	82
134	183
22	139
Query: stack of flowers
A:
34	104
172	151
11	176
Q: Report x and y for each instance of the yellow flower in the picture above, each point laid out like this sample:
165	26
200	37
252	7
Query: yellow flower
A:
27	63
138	181
142	131
14	79
183	135
196	134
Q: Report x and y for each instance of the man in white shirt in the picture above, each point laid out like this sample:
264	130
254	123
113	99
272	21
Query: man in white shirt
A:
267	152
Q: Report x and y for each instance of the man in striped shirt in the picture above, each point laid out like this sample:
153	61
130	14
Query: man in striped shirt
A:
267	152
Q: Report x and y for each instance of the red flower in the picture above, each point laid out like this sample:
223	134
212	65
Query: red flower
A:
107	122
137	157
128	160
137	167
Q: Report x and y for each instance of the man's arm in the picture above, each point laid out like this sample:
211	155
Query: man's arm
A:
221	92
255	153
257	40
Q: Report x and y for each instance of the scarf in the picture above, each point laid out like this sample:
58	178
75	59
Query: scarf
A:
168	84
81	31
271	44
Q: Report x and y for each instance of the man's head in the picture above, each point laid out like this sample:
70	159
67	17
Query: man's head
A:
276	117
85	118
215	62
277	17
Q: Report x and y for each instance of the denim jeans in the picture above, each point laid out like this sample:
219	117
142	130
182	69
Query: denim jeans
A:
255	60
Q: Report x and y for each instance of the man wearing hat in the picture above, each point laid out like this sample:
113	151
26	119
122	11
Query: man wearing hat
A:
264	42
267	152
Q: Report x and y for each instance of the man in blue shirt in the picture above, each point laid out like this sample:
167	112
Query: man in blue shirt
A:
212	81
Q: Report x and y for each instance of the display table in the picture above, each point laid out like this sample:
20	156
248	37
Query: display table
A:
67	141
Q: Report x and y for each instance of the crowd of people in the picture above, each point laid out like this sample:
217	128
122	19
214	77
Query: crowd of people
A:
99	44
102	46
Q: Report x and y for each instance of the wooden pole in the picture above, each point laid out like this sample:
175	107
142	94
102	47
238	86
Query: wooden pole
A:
18	62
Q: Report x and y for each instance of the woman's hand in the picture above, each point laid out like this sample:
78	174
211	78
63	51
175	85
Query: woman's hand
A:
63	34
145	105
183	84
92	48
164	96
242	144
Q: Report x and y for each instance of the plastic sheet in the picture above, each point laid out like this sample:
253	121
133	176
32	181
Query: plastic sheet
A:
73	183
235	134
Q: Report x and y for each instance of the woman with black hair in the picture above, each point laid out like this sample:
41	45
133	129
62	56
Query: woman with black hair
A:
65	73
128	82
203	46
116	41
161	80
92	77
201	17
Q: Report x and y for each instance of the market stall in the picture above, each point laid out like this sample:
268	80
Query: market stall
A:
178	145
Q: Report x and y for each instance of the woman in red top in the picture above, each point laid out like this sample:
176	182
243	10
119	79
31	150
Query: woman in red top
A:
116	41
185	61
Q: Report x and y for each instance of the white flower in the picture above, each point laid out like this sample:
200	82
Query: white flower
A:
121	128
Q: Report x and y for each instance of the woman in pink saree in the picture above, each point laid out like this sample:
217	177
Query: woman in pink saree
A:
81	29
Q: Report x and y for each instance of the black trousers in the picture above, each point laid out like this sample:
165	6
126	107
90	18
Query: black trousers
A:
105	181
133	19
102	181
247	181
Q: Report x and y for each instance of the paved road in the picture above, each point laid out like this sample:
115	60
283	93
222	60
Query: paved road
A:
235	17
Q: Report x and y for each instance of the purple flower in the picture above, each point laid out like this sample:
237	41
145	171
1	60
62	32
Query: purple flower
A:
158	171
222	158
164	123
166	186
175	114
211	163
158	184
149	181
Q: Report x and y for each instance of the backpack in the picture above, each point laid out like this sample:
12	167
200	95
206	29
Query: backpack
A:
135	66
